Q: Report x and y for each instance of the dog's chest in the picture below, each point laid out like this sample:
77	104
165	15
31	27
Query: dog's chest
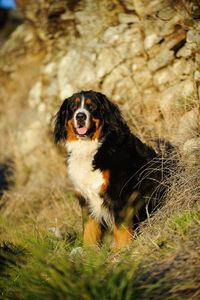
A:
86	180
80	167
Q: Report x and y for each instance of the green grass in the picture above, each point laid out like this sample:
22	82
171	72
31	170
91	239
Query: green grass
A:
37	265
182	223
44	270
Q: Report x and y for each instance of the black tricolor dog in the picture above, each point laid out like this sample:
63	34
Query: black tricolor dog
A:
116	177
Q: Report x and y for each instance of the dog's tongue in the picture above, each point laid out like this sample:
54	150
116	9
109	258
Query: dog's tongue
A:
81	130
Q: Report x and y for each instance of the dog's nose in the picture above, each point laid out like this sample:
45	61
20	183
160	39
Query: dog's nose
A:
81	116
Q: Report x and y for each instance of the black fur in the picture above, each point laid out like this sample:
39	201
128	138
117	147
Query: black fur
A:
134	167
136	170
60	132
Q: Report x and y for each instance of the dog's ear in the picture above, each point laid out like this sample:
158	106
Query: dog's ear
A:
111	112
60	132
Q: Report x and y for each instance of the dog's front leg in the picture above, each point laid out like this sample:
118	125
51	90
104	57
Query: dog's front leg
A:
91	228
123	235
92	232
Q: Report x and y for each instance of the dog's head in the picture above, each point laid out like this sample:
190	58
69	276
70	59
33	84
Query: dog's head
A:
86	115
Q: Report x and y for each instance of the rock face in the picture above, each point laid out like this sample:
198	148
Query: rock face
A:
145	55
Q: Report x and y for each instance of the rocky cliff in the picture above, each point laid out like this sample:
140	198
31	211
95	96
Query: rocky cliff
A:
143	54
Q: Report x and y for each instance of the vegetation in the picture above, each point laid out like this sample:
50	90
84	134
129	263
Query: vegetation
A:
41	254
39	262
40	226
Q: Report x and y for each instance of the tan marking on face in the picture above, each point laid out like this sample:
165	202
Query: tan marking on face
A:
97	133
77	194
106	177
77	100
88	101
71	135
92	232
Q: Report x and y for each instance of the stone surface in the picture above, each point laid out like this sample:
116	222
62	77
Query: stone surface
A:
175	96
143	78
164	57
107	61
187	50
191	150
150	40
30	132
166	13
75	72
188	125
129	4
142	54
192	36
35	94
119	85
113	33
128	18
181	68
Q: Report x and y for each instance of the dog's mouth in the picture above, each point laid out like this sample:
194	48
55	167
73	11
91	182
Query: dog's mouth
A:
82	130
81	122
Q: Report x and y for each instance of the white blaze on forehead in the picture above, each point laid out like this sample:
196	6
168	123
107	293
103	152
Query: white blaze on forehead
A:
82	102
82	110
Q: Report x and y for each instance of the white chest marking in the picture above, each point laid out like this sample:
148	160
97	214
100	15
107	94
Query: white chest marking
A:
86	180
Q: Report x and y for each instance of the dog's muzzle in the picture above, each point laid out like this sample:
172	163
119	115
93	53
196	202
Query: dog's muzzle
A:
81	118
81	122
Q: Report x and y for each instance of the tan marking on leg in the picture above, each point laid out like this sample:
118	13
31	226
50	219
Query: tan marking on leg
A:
106	177
92	232
122	236
84	213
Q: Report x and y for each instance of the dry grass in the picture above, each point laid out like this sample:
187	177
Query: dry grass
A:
40	220
37	192
40	186
163	262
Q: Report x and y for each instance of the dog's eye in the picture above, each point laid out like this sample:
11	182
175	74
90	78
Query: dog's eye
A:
91	107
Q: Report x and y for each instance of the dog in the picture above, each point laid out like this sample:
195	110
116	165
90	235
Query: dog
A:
116	177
